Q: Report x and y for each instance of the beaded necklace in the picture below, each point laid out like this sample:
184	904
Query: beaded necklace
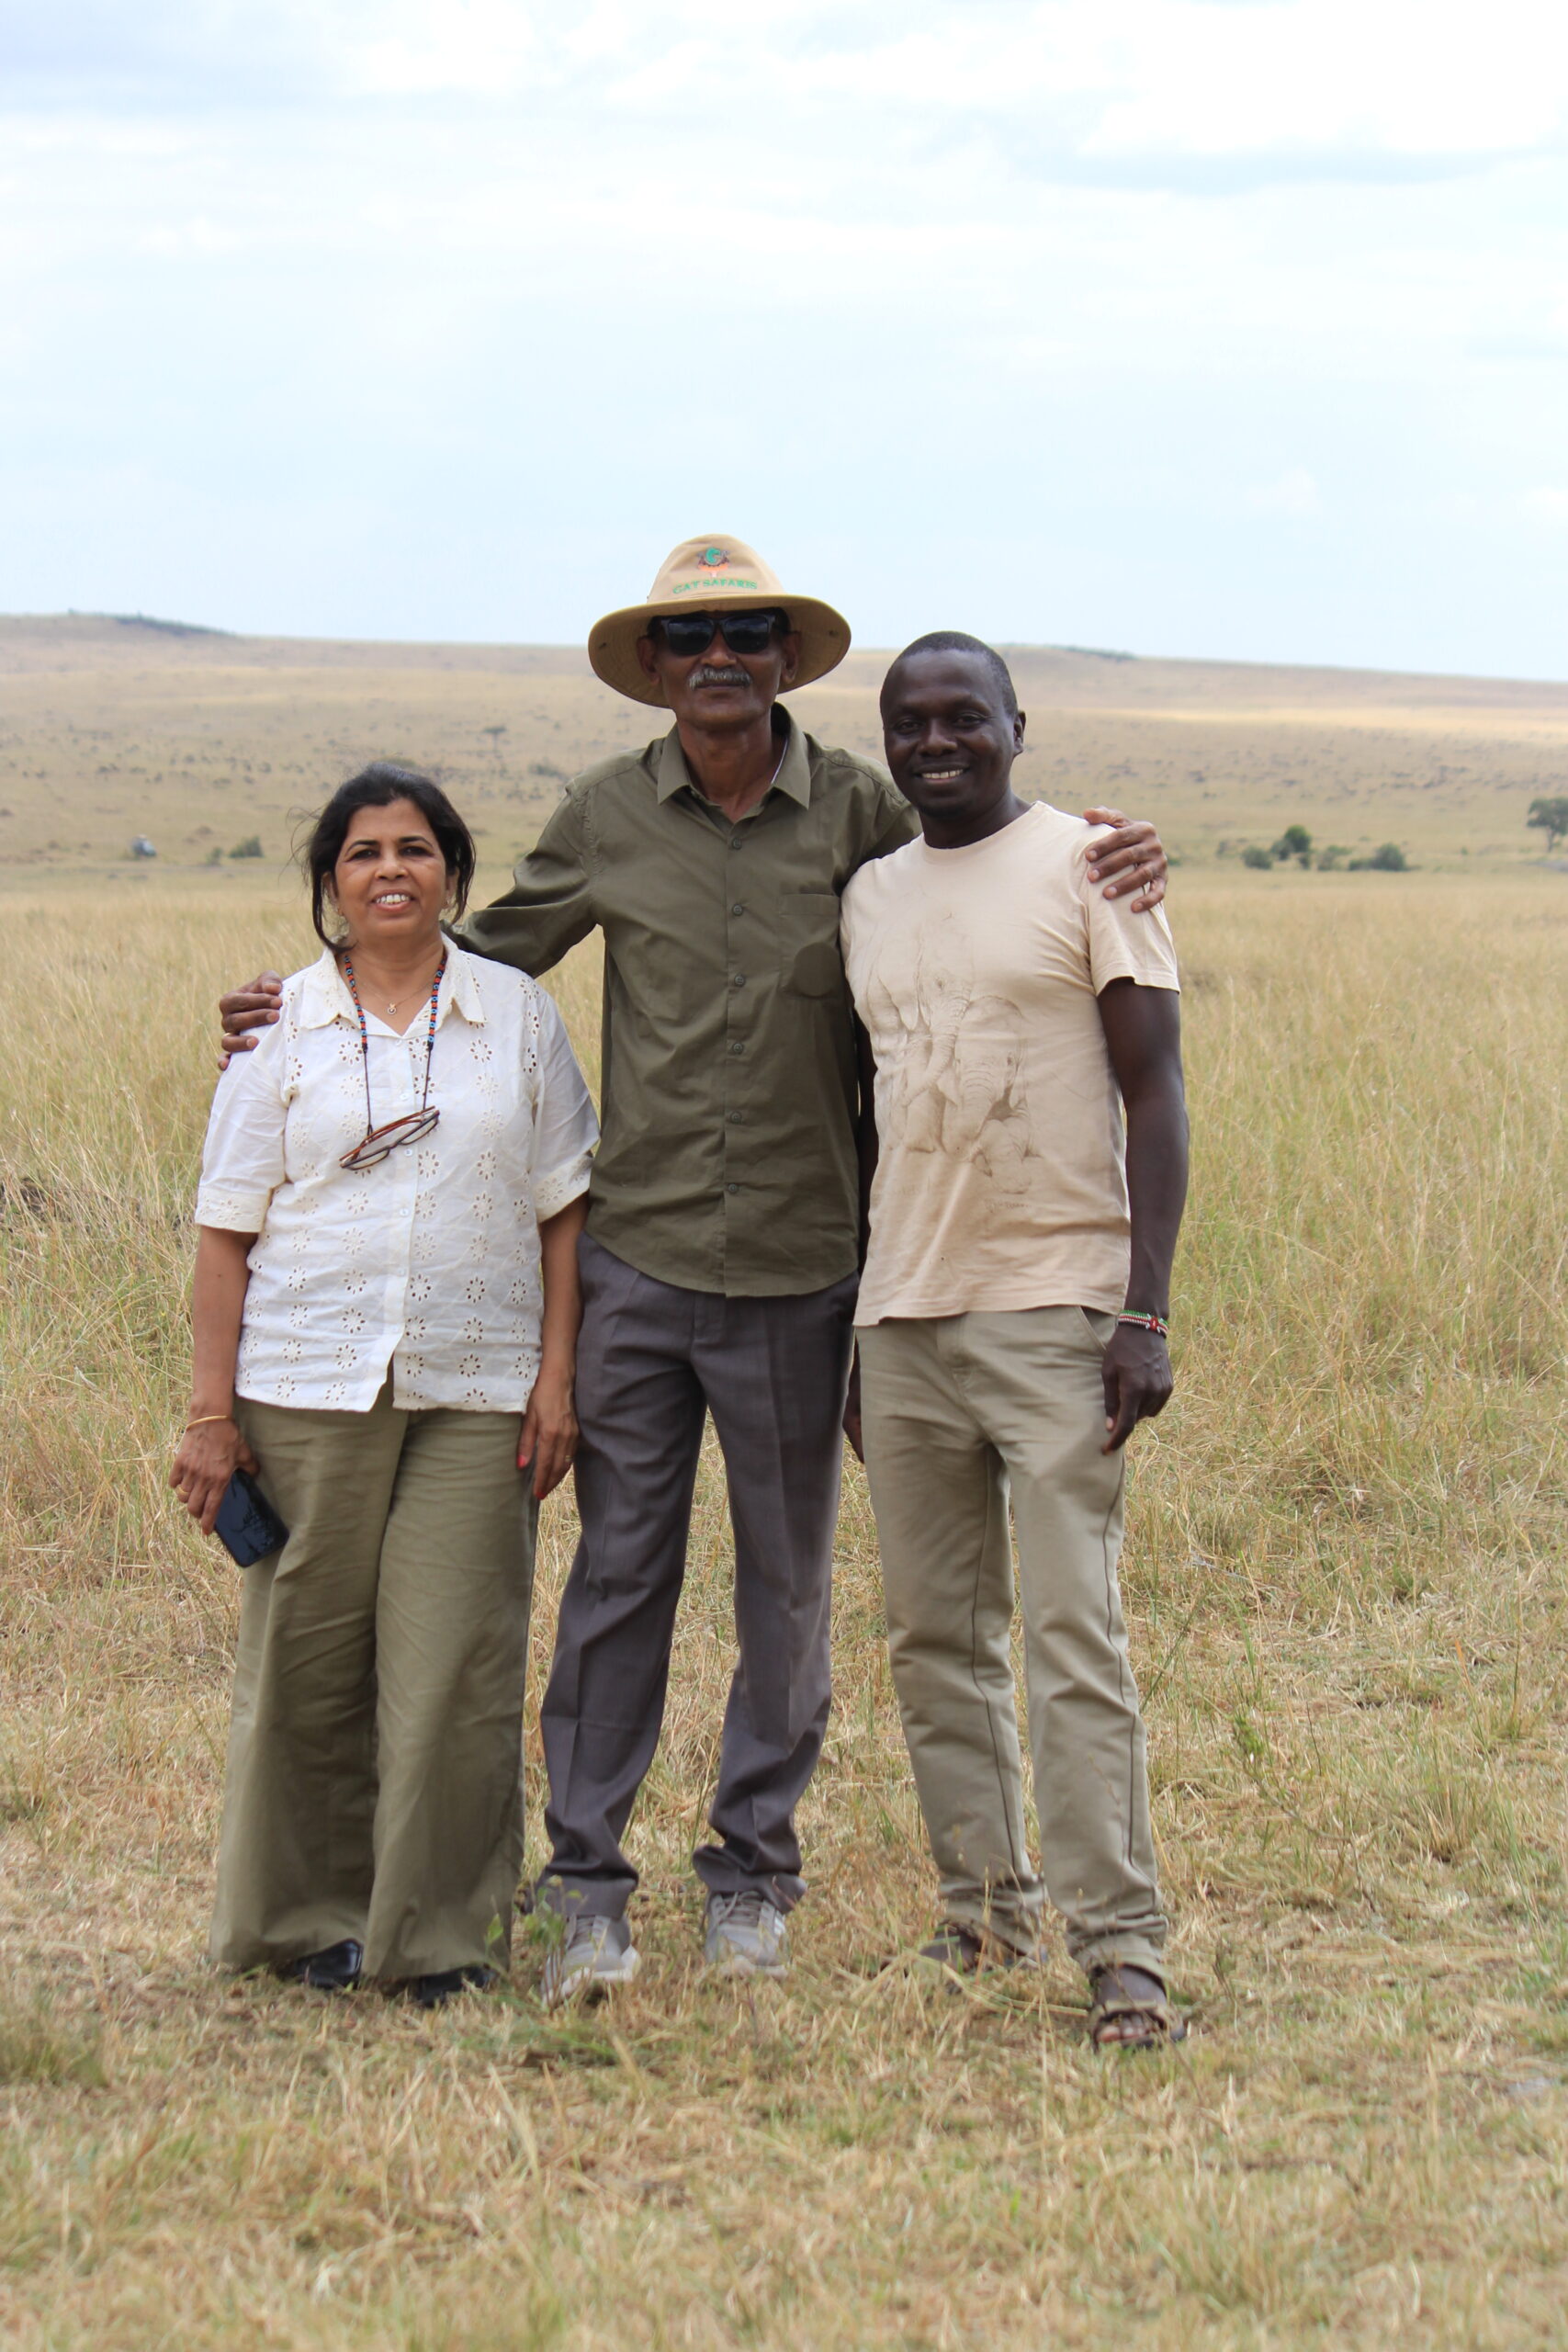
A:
413	1126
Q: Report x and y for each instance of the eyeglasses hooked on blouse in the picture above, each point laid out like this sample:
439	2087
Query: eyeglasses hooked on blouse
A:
376	1143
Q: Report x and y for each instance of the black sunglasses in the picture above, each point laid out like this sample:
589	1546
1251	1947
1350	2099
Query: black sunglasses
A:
689	633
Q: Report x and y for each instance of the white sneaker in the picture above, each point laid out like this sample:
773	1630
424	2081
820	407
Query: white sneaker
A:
592	1952
745	1935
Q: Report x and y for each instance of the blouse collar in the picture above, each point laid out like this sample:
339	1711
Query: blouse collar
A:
325	997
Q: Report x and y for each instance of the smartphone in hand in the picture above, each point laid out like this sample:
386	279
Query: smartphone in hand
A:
246	1522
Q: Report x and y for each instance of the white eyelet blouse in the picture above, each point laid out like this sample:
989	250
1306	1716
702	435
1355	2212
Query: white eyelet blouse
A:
429	1262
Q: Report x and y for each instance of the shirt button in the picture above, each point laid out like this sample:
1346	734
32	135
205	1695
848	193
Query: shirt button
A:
737	979
734	840
738	908
732	1188
735	1117
735	1046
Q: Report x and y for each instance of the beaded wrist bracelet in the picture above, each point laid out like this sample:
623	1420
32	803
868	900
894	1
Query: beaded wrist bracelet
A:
1156	1323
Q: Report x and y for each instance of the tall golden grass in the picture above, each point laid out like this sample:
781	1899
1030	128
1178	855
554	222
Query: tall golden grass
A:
1346	1579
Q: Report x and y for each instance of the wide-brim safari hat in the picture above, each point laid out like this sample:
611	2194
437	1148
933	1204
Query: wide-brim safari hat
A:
717	575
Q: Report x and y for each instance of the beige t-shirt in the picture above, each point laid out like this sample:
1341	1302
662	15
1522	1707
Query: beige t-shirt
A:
1000	1182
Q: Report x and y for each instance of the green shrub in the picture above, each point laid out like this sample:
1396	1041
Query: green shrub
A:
250	847
1551	817
1259	859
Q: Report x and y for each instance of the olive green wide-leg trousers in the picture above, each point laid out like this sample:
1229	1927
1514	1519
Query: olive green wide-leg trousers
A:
962	1416
374	1782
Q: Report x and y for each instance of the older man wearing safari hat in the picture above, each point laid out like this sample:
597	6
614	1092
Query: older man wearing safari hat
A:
720	1261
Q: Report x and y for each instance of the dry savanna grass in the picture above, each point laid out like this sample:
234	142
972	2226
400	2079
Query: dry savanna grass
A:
1345	1580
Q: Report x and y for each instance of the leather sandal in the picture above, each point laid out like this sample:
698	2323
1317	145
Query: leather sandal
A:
1129	2008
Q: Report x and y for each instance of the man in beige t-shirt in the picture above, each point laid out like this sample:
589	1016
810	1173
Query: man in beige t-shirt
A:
1011	1321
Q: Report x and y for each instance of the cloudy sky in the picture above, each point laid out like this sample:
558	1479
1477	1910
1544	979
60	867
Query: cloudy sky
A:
1218	327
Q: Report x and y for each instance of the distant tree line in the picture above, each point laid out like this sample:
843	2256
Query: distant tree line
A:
1295	844
1548	815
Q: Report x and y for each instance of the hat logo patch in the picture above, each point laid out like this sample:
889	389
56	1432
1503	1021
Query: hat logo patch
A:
712	558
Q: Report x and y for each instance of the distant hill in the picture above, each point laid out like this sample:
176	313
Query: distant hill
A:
145	620
114	725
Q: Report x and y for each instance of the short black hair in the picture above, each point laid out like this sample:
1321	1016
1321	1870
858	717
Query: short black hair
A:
954	641
377	787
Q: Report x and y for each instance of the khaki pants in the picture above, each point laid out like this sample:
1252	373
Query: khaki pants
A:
374	1784
959	1412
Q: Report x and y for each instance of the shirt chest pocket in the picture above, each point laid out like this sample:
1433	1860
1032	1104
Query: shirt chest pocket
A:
810	960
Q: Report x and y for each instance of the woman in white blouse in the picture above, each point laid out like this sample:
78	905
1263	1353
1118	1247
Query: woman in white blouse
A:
386	1310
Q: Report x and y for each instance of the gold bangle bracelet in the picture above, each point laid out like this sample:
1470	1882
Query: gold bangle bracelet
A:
202	1419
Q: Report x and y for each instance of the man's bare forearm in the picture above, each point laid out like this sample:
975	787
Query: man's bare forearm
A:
1143	1036
1156	1188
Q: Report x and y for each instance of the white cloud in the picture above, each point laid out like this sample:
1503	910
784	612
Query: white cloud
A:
1114	79
1401	76
1072	301
1292	493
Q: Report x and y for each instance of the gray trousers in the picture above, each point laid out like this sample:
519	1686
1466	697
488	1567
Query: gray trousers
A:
652	1360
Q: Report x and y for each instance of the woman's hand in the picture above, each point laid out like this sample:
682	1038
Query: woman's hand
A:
209	1456
548	1442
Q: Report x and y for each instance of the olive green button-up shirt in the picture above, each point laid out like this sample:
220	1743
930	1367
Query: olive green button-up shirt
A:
728	1082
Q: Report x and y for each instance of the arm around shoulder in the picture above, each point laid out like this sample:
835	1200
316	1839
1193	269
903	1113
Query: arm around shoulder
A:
565	1127
246	1013
550	906
1130	858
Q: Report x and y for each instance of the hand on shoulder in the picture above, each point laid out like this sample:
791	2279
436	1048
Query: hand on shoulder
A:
247	1011
1130	858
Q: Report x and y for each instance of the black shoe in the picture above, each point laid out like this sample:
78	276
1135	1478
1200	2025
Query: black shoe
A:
435	1992
336	1969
